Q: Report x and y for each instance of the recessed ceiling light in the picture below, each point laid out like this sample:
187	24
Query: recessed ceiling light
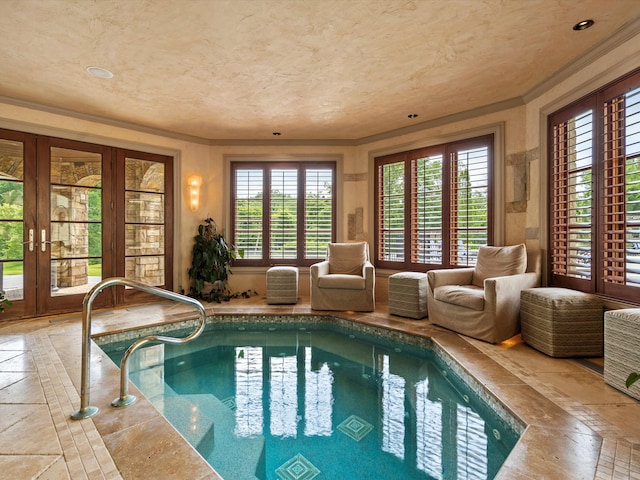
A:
99	72
583	25
413	115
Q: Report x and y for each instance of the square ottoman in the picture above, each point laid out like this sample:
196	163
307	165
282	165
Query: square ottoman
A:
282	285
622	349
562	322
408	294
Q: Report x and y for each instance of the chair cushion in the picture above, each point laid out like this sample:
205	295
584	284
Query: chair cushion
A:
499	262
347	258
342	281
468	296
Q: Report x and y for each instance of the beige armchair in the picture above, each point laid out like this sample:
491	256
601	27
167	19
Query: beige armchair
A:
345	280
483	302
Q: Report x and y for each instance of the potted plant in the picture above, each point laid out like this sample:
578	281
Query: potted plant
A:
211	264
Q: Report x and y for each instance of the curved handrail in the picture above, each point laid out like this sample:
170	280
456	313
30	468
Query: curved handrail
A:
125	399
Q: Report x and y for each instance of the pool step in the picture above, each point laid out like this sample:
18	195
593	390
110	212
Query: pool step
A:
232	457
207	424
187	418
150	381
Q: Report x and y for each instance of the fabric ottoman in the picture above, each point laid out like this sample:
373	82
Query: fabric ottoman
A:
562	322
408	294
282	285
622	348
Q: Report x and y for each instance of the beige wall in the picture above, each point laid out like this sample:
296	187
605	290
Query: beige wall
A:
520	155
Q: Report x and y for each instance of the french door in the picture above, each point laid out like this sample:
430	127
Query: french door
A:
73	213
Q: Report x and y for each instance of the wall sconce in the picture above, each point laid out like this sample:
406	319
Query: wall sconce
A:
194	182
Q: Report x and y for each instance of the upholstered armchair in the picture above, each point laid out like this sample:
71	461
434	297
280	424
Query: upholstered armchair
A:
483	302
345	280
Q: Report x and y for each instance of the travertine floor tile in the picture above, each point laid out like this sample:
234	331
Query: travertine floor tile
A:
27	429
19	387
33	466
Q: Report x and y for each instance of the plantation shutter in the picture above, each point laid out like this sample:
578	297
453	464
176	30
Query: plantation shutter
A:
248	218
318	212
572	197
434	205
426	209
283	216
283	213
469	208
391	211
621	192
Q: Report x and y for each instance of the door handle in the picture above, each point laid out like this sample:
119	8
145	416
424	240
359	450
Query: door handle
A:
43	242
30	241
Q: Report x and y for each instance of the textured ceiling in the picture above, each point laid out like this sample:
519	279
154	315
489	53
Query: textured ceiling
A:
310	69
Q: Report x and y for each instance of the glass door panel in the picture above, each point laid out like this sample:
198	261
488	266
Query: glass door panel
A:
144	221
18	240
76	221
11	219
73	242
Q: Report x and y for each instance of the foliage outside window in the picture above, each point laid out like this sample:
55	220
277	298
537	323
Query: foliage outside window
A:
433	205
594	215
282	212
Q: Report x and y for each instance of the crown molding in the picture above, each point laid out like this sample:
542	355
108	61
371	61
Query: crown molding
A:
446	120
101	120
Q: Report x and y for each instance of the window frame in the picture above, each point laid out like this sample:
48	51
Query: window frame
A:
602	270
447	151
301	166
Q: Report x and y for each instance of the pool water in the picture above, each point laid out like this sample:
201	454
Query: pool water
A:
305	402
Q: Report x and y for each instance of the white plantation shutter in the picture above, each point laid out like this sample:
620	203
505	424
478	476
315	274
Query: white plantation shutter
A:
433	205
318	212
248	201
283	213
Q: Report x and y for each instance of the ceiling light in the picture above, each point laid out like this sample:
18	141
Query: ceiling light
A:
583	25
99	72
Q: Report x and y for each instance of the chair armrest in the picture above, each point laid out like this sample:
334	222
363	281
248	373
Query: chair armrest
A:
369	274
451	276
508	287
368	269
319	269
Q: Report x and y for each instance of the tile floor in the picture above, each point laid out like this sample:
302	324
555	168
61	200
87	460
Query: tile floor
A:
578	427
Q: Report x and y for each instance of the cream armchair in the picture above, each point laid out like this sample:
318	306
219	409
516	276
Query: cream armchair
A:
483	302
345	280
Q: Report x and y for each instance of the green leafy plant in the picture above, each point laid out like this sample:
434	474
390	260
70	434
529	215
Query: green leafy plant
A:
632	378
4	302
211	262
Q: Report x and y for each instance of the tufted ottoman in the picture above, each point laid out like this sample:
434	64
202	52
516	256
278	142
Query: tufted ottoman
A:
408	294
622	348
562	322
282	285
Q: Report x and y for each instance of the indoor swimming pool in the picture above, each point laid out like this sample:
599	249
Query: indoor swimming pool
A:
322	399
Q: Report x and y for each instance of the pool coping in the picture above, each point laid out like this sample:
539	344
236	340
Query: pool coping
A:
541	451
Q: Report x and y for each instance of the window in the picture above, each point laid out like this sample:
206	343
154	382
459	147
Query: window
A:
594	214
283	213
433	205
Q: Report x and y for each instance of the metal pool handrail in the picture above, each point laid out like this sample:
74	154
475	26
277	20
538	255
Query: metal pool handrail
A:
125	399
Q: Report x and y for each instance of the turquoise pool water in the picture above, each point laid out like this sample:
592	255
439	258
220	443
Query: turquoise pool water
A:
317	400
